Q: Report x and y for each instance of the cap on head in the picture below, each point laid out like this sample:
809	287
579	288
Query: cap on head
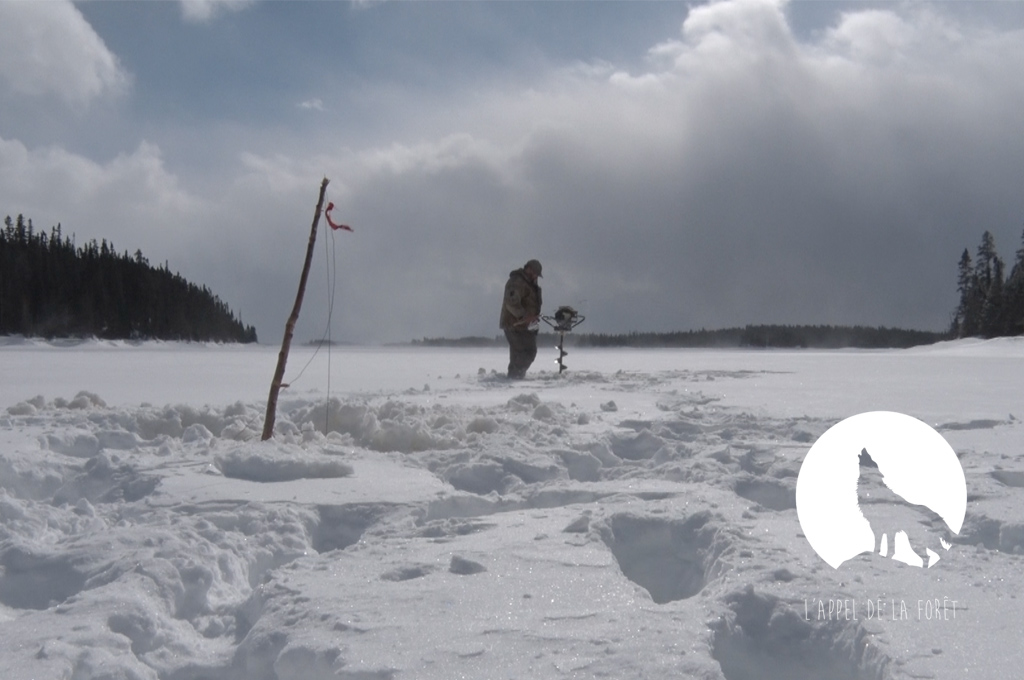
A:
534	266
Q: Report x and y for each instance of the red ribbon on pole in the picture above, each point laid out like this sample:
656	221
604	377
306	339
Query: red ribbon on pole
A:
334	225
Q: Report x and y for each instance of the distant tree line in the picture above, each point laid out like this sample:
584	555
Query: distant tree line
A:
465	341
780	336
51	288
991	303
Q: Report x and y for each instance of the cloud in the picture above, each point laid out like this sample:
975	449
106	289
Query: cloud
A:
744	176
132	200
314	104
48	48
739	174
203	11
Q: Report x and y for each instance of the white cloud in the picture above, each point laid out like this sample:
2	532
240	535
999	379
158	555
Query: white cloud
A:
314	104
874	37
131	200
48	48
202	11
431	158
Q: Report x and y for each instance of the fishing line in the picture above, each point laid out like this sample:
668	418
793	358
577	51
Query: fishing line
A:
332	284
331	267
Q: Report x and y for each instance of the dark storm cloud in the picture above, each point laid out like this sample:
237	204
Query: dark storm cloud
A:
748	177
753	164
743	176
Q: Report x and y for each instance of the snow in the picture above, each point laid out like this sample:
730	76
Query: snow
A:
632	518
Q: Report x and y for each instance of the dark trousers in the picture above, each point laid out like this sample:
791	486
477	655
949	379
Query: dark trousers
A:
522	350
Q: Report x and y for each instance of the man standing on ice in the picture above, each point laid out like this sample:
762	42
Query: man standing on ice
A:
520	312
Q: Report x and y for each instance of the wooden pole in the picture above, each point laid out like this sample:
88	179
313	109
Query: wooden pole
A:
289	328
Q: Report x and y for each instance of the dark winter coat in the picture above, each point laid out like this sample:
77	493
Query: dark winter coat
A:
522	300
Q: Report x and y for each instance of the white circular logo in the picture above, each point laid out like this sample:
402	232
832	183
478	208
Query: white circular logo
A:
883	483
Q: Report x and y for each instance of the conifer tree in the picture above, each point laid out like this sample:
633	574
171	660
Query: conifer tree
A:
965	321
1014	292
50	288
991	303
984	261
992	312
984	285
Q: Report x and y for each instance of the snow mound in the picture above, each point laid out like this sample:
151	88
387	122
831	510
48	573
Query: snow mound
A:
269	462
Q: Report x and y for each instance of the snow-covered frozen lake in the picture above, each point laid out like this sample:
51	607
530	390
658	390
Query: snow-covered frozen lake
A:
632	518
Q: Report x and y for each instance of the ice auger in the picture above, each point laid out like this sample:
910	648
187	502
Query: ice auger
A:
565	319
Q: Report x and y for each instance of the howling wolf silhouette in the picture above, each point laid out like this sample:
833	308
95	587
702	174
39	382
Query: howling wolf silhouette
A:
901	528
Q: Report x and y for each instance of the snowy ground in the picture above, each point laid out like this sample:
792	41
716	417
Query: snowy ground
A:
633	518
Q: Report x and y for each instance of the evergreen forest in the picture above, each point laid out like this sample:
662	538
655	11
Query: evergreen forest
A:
991	302
51	288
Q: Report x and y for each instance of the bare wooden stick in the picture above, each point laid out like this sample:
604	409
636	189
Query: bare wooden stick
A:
289	328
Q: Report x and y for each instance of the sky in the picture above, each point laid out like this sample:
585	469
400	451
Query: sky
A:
673	165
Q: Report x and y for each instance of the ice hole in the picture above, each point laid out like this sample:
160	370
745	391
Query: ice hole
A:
671	559
769	493
768	640
30	581
343	525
